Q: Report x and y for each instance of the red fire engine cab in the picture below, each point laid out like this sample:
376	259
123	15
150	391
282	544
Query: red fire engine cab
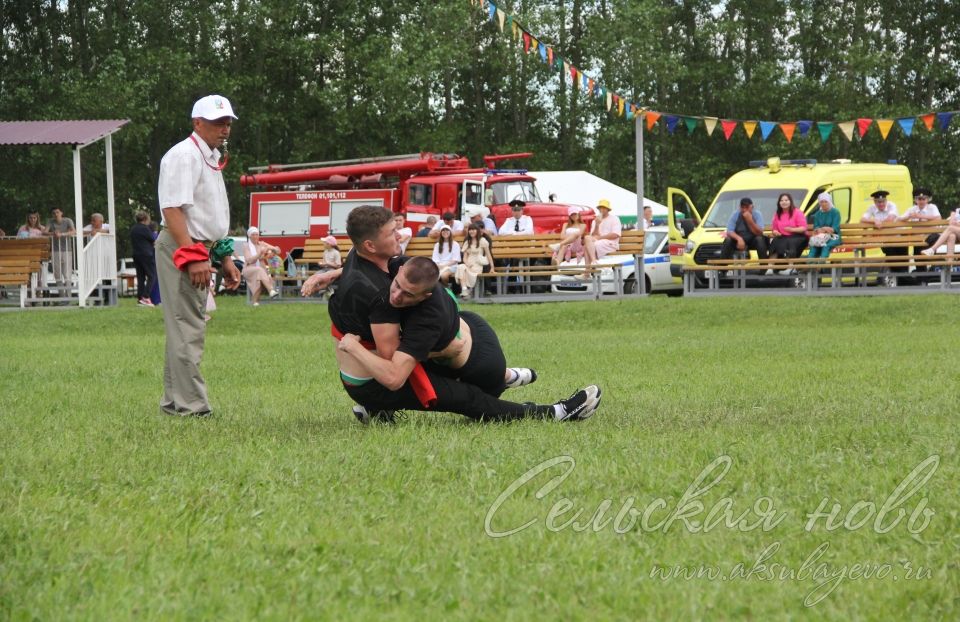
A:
290	203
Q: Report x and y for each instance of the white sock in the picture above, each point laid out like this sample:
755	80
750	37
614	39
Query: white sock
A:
558	411
513	375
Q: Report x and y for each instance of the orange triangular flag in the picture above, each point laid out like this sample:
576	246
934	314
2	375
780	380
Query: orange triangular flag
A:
550	57
728	127
863	125
847	128
788	129
928	121
710	123
749	126
884	126
652	118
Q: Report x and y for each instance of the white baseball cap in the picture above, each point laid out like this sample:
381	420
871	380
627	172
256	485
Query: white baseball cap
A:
212	107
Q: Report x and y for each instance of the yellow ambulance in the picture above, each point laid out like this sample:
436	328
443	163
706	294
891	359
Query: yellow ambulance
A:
695	237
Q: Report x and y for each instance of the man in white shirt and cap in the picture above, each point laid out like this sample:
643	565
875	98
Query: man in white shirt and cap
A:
518	224
882	213
196	215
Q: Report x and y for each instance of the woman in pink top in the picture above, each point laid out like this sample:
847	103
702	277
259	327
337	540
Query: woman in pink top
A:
789	229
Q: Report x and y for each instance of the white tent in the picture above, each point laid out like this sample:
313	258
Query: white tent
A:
582	188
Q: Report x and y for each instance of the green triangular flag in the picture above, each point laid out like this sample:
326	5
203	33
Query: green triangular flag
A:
824	129
691	124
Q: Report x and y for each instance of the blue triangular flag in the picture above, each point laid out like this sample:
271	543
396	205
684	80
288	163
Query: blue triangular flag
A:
491	10
629	108
586	82
766	127
672	121
543	52
804	127
906	124
944	118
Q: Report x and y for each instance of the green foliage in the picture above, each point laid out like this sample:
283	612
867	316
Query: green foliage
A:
348	78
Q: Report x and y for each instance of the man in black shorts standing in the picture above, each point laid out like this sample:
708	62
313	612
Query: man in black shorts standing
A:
366	273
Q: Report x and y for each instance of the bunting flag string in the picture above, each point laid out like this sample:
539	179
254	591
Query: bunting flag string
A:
620	106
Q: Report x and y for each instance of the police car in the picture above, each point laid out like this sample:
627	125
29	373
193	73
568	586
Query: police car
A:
656	263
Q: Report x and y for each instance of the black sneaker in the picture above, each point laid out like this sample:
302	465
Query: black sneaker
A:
579	406
365	416
524	376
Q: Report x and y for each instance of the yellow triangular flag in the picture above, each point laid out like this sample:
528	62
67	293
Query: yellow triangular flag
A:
847	128
710	123
609	100
749	126
620	105
534	44
516	30
884	126
501	17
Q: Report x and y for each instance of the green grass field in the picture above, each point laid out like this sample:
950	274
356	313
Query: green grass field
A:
282	506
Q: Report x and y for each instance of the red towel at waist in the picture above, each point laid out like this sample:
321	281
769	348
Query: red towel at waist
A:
419	381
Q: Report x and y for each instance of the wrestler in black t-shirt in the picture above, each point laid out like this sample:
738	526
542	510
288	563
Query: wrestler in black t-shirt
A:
432	324
427	327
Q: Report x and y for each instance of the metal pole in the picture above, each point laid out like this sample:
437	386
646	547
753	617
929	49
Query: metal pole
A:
108	141
640	189
111	214
641	271
78	209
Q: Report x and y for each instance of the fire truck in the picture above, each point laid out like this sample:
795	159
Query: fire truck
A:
290	203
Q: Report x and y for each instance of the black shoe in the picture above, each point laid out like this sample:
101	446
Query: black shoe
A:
579	406
366	417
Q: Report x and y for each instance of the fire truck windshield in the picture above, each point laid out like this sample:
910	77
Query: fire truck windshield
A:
506	191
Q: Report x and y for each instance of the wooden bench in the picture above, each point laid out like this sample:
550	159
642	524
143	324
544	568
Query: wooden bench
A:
22	265
526	249
867	260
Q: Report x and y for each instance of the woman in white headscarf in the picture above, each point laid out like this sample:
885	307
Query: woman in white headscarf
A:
255	266
826	228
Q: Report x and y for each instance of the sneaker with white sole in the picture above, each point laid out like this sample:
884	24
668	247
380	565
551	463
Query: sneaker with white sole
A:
522	376
579	406
769	272
274	293
365	416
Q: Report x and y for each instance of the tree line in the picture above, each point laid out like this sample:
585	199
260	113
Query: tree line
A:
335	79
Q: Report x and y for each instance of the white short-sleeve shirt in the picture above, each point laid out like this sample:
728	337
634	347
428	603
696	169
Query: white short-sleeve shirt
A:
929	211
187	182
888	214
510	226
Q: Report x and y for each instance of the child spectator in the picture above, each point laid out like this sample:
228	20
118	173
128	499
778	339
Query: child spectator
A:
446	254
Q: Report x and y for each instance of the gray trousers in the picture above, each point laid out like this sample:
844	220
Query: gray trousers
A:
62	262
184	390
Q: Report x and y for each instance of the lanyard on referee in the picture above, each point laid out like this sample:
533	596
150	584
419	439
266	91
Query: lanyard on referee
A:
219	167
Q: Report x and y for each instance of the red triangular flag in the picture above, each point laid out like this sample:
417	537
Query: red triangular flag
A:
863	125
526	42
573	74
928	121
728	127
788	130
652	118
